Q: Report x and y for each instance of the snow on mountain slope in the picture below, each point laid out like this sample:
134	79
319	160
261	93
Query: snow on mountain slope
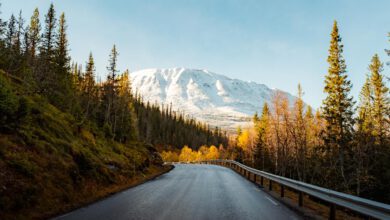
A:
206	96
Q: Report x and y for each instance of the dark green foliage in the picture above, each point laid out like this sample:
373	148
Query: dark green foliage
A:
49	35
166	128
8	103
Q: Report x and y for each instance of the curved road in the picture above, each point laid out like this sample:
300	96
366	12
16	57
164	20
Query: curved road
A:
188	192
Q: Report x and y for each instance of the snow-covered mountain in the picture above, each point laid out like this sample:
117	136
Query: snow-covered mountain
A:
206	96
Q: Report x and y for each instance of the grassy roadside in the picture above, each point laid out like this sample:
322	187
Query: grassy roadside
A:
151	173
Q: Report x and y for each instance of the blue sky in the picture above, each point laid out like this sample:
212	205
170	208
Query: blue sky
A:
278	43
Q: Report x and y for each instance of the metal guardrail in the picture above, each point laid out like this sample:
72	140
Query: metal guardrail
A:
356	204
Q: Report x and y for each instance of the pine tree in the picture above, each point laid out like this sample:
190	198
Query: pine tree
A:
125	129
11	43
89	75
110	92
262	160
112	67
19	33
365	108
49	35
371	153
62	46
88	90
380	105
337	106
11	32
45	68
62	77
26	42
364	151
34	32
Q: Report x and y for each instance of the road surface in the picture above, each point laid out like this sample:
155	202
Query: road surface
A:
190	191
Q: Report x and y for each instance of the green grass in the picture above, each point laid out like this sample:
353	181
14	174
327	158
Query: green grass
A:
48	164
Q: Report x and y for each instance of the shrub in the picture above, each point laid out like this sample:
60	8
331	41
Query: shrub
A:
8	103
23	166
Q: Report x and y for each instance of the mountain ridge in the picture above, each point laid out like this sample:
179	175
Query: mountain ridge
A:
207	96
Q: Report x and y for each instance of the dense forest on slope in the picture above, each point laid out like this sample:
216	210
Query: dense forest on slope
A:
168	129
66	139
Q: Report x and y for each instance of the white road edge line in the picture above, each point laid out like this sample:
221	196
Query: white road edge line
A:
272	201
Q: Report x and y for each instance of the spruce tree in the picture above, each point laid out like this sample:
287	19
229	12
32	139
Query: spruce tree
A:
89	75
26	43
364	151
337	106
62	77
262	129
87	90
19	33
365	109
62	51
125	129
11	32
45	70
10	42
110	93
49	35
112	67
34	32
380	105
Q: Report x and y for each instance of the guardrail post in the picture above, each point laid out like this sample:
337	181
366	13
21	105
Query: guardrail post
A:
281	191
262	181
332	213
254	178
270	185
300	202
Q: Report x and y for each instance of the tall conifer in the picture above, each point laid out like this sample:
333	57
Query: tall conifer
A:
11	32
33	33
62	46
380	105
49	35
337	106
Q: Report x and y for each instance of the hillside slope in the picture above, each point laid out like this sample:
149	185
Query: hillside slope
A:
207	96
48	164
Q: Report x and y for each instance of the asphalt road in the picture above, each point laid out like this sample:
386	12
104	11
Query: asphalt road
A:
188	192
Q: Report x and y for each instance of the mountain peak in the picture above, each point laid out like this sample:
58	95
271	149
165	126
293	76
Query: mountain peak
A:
204	95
